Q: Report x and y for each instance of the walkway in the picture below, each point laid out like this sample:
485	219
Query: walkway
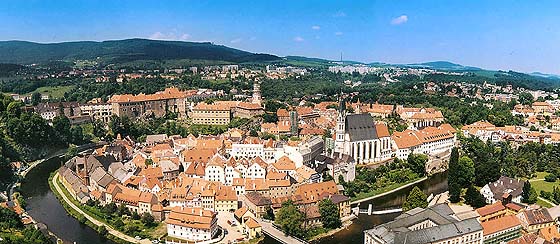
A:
547	201
277	234
389	192
93	220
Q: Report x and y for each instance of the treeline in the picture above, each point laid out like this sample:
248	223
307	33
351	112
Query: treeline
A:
26	136
13	231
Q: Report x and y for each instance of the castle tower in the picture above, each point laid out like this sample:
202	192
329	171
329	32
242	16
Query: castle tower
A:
340	126
257	93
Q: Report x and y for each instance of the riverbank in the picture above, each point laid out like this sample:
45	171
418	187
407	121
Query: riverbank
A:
387	191
345	224
76	212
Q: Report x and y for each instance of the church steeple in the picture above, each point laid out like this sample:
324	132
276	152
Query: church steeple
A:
340	130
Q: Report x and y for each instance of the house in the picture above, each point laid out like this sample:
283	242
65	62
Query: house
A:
336	165
494	191
536	219
192	224
256	203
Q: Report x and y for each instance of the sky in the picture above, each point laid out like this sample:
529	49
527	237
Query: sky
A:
492	34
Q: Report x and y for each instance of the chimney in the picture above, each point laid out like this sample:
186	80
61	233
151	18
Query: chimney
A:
201	213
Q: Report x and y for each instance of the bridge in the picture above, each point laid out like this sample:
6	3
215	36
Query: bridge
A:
271	230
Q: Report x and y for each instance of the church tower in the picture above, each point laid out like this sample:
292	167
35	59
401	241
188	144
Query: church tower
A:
257	93
340	126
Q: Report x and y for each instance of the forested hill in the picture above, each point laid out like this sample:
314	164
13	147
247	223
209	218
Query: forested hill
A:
118	51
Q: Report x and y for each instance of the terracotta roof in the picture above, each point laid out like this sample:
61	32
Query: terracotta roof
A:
490	209
196	218
168	93
312	192
284	163
198	154
240	212
406	139
500	224
251	223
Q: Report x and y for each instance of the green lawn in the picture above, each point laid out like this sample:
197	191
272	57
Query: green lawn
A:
391	187
543	203
540	184
54	92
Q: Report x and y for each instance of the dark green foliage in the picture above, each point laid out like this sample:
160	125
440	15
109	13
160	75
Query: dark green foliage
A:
474	198
290	219
330	216
122	51
550	178
415	199
453	176
102	230
269	214
147	219
417	163
529	194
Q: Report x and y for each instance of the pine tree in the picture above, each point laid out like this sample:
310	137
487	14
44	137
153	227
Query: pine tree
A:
526	191
474	198
416	199
453	171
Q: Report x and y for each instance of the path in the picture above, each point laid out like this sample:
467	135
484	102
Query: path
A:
93	220
277	234
547	201
389	192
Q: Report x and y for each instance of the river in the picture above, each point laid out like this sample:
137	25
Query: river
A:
43	206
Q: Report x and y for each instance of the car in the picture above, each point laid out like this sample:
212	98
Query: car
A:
137	238
155	241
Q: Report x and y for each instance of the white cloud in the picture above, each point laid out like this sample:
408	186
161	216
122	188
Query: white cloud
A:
338	33
185	36
339	14
173	35
298	39
399	20
157	35
316	27
236	40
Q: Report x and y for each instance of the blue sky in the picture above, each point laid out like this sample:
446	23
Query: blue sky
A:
493	34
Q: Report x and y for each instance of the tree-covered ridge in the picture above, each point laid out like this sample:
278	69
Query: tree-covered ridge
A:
119	51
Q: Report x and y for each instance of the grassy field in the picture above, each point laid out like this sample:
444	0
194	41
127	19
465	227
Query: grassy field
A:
540	184
543	203
54	92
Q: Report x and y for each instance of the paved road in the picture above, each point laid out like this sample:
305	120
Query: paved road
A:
277	234
233	231
93	220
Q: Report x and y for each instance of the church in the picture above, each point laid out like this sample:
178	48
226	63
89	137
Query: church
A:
359	136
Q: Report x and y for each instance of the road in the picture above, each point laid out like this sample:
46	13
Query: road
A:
93	220
232	231
277	234
547	201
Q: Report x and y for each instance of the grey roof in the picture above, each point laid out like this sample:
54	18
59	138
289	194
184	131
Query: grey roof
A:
397	231
360	127
506	185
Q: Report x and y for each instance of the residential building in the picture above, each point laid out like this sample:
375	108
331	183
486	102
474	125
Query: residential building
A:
501	229
535	219
494	191
192	224
434	224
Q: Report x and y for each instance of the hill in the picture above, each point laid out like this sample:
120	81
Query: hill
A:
443	65
120	51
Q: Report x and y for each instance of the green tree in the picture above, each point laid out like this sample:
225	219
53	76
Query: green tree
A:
61	125
415	199
466	171
525	98
35	98
453	175
417	163
474	198
269	214
290	219
330	216
147	219
529	194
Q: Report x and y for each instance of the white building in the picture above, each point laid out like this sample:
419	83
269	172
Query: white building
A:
494	191
192	224
359	136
